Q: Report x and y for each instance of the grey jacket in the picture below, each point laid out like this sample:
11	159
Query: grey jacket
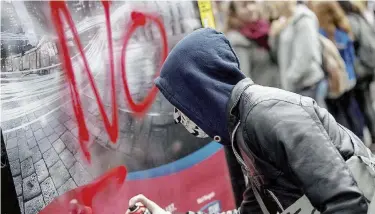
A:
298	51
255	61
364	37
297	148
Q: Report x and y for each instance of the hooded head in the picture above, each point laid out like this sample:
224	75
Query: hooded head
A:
198	77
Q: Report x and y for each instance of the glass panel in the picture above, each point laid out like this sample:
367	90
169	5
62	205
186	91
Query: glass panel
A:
41	131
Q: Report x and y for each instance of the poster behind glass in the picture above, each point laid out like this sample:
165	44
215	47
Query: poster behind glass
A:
164	161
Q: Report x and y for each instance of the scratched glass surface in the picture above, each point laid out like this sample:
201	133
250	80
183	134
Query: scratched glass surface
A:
37	117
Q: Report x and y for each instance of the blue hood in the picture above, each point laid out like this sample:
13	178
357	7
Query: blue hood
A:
198	77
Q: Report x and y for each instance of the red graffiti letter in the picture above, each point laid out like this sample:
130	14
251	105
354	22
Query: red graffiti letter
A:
138	19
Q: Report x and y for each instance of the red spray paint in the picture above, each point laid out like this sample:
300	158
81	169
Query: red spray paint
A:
138	19
109	186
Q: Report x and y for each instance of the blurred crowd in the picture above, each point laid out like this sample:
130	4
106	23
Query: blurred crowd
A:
321	49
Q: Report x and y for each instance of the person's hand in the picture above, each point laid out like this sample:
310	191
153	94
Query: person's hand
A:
75	208
150	205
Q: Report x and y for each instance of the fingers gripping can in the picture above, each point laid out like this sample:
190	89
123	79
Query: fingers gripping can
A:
139	209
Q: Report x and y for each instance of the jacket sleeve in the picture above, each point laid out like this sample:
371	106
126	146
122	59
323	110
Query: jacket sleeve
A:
296	141
355	26
305	49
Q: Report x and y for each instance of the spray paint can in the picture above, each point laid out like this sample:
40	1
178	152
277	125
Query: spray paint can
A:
139	209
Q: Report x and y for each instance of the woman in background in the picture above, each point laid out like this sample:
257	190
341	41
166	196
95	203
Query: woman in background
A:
364	46
248	35
294	39
335	26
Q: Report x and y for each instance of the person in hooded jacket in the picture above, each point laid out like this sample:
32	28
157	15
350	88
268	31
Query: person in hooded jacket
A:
294	40
290	145
364	37
248	34
335	26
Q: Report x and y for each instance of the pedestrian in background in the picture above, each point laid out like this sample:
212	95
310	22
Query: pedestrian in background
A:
294	40
364	45
335	26
248	32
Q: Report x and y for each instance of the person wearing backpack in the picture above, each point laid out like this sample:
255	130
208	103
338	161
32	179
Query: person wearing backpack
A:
336	78
335	26
294	40
248	32
364	45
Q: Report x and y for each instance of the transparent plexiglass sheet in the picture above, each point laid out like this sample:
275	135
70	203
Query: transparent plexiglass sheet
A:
37	118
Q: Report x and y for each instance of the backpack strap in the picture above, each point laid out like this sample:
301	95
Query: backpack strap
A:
259	199
255	185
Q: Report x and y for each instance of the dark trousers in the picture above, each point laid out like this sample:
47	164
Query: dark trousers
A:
363	96
347	112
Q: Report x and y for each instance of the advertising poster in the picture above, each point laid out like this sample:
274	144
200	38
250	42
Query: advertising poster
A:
40	127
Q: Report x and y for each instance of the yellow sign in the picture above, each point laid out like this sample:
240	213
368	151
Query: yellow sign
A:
207	15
